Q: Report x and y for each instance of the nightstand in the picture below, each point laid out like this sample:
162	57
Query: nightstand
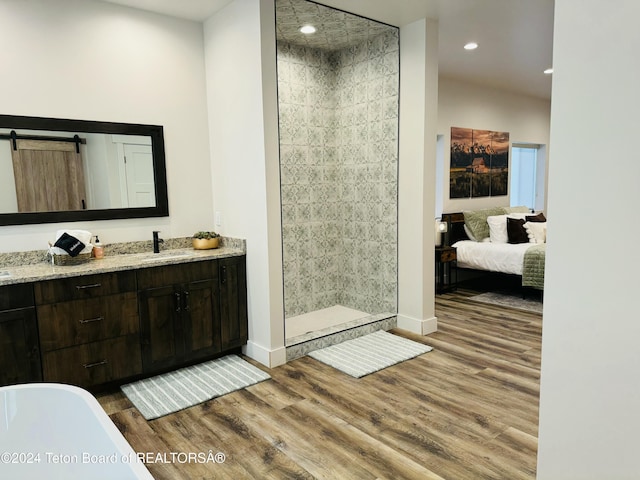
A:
446	269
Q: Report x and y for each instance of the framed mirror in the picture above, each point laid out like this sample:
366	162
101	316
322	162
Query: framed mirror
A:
61	170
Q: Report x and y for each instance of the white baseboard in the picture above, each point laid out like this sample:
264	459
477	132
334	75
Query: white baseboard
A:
415	325
269	358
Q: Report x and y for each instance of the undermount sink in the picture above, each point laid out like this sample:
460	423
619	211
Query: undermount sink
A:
167	256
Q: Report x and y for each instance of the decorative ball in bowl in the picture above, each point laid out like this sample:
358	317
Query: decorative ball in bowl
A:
205	240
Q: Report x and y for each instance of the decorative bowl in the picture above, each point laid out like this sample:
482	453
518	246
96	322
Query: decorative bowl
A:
205	243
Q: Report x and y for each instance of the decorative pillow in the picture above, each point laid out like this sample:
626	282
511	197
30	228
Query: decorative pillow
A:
468	232
476	221
515	230
498	228
537	231
536	218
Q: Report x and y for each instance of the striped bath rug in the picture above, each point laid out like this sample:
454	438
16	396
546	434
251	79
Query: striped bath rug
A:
183	388
370	353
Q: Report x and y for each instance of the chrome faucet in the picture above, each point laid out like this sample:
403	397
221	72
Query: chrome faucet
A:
156	242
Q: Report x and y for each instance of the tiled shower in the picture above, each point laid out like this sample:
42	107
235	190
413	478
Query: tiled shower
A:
338	121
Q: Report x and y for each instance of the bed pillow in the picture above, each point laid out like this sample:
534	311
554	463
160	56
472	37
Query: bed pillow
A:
476	221
537	231
515	230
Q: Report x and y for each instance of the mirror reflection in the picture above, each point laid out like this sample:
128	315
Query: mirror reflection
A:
52	171
69	170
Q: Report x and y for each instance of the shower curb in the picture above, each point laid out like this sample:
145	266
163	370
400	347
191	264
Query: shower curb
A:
301	349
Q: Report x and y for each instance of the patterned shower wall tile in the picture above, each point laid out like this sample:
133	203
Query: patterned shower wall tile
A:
297	94
390	63
390	192
297	72
390	109
338	124
374	109
288	214
390	131
390	86
316	136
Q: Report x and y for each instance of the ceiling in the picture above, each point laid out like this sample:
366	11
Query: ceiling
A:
515	37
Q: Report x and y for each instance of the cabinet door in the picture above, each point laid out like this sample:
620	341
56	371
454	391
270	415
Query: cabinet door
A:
160	328
19	352
233	302
200	322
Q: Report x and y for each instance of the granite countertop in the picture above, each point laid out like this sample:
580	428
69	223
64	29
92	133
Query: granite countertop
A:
112	263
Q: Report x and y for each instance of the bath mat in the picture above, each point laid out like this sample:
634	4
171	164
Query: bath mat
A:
183	388
513	301
364	355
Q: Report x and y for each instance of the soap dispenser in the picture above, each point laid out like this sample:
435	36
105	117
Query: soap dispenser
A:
98	249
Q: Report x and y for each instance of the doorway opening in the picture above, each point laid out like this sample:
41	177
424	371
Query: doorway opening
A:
527	175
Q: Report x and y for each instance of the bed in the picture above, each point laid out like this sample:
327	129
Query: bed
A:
505	240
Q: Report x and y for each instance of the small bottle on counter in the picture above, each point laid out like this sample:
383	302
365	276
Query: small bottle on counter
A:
98	249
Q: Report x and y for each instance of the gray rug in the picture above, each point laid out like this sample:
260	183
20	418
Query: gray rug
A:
183	388
370	353
513	301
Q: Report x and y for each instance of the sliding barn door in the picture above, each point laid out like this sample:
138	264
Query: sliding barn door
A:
49	176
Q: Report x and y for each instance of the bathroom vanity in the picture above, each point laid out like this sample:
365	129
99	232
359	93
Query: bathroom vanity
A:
122	317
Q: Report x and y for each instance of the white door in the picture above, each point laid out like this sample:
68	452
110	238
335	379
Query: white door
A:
139	173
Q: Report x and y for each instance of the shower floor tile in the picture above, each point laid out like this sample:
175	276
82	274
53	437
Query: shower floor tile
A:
325	318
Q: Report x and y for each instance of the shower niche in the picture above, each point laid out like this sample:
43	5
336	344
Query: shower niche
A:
338	124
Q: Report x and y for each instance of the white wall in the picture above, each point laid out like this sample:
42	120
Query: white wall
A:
416	175
90	60
466	105
242	100
590	388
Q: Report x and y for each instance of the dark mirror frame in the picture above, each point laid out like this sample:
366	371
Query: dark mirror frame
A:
79	126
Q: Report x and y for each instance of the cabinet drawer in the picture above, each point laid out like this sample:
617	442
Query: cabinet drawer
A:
16	296
84	286
94	363
82	321
176	274
448	255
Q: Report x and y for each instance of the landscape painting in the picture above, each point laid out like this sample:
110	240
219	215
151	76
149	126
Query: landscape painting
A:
479	164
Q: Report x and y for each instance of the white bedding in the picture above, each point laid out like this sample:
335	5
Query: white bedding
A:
494	257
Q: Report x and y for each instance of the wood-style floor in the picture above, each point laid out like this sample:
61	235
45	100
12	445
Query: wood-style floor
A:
466	410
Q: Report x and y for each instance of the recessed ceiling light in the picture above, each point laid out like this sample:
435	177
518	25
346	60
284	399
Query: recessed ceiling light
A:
307	29
471	46
548	71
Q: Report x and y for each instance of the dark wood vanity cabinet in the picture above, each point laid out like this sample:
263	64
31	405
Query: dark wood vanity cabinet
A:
191	311
89	328
19	350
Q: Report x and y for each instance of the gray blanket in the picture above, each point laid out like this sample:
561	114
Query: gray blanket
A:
533	267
